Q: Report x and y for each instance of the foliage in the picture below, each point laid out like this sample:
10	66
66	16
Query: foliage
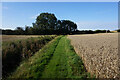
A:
14	52
101	31
90	31
47	23
19	30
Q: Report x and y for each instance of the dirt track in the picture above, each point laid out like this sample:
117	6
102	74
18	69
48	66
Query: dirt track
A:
99	53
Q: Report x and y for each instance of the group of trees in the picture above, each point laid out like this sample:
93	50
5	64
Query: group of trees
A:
46	24
18	31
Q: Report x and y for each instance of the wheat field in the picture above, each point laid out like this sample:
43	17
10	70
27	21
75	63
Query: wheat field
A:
99	53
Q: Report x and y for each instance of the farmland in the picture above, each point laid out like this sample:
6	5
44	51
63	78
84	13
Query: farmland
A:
55	56
57	40
57	59
17	37
99	53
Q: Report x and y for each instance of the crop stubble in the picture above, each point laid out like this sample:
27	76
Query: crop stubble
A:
99	53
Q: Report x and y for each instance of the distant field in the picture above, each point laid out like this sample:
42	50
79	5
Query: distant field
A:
17	37
99	53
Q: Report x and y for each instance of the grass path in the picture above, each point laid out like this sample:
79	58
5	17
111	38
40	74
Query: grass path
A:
58	64
65	63
56	60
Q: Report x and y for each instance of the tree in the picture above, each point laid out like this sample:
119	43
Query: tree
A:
19	30
58	29
28	30
68	26
45	22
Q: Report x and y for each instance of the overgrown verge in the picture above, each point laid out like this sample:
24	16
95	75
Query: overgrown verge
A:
76	65
14	52
34	66
56	60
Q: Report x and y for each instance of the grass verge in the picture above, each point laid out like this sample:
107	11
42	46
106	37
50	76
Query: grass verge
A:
56	60
15	52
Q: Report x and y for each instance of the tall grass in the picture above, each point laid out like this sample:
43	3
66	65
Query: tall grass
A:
14	52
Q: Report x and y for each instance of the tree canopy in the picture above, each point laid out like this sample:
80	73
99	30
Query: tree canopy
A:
47	23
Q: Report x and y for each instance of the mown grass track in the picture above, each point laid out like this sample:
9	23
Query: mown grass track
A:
56	60
65	63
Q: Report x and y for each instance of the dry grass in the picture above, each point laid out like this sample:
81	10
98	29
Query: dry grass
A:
17	37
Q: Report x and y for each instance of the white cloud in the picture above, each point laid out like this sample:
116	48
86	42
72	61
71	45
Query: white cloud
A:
6	28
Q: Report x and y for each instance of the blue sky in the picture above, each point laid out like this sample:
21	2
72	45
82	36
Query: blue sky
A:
87	15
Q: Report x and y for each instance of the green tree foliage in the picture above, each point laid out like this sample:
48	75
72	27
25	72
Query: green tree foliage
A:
47	23
28	30
102	31
68	26
19	30
8	32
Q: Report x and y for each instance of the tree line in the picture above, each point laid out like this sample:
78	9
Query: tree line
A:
46	24
29	31
90	31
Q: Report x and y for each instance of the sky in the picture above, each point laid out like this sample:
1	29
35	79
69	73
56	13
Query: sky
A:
87	15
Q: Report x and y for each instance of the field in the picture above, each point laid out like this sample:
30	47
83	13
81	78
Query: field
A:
17	37
99	53
55	57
